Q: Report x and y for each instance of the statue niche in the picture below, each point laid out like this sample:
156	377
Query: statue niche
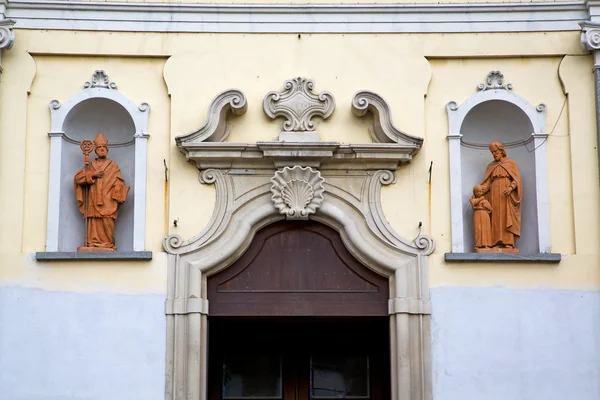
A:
99	189
496	203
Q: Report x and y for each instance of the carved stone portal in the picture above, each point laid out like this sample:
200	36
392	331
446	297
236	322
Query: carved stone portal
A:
298	104
297	192
334	184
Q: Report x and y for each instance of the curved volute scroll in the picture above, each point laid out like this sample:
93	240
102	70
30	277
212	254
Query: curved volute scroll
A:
421	244
383	130
175	244
216	128
7	35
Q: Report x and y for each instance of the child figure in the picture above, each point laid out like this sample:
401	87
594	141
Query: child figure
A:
481	219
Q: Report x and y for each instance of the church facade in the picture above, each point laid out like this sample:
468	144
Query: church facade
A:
295	201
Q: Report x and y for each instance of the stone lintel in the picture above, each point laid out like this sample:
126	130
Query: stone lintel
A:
323	155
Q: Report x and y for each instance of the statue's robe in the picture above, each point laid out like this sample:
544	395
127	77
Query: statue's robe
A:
506	210
104	196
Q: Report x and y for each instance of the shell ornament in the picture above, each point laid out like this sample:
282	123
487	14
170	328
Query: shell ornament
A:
297	192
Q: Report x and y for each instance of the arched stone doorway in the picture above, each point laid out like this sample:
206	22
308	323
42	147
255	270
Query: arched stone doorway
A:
248	178
298	317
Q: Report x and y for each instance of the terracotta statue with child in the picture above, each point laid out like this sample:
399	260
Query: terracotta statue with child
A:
496	203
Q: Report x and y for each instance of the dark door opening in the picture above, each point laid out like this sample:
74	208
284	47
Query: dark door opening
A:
299	358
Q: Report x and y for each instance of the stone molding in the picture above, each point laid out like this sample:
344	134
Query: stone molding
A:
553	258
496	90
99	87
298	105
399	305
299	18
101	256
247	176
383	130
186	306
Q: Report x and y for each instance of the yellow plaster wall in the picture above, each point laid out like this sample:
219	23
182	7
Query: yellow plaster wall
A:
571	156
178	74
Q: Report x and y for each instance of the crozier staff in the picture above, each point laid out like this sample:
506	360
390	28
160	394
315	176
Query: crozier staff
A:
503	185
106	190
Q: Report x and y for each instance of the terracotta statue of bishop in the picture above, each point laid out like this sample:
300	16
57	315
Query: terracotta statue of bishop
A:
100	189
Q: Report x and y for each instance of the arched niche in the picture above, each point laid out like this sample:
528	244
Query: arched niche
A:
497	114
97	108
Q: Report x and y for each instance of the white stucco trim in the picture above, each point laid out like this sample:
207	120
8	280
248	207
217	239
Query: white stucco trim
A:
54	191
456	192
58	115
297	18
541	191
139	201
537	117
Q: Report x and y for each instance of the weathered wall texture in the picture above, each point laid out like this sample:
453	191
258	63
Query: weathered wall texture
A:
65	345
493	343
84	330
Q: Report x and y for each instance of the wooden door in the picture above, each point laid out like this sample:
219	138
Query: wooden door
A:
297	269
298	358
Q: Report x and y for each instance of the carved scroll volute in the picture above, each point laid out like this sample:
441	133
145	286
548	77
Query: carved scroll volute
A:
298	104
383	130
494	80
216	128
7	35
297	192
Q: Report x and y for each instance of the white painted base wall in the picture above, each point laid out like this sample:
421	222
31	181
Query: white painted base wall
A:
506	344
92	346
488	343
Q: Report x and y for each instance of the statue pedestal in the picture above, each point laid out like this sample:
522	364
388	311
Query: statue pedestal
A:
506	250
84	249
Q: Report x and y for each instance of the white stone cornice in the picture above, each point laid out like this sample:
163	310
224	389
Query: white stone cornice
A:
264	18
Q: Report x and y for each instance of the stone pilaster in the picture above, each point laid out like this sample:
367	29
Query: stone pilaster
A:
590	40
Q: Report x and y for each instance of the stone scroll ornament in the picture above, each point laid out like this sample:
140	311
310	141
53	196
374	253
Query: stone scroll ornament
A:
496	203
99	190
298	104
297	192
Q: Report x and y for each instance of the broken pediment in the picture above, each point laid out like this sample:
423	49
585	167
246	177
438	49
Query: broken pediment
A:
300	145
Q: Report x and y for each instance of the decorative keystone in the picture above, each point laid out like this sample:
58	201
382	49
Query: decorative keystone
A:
297	192
100	80
494	81
298	104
